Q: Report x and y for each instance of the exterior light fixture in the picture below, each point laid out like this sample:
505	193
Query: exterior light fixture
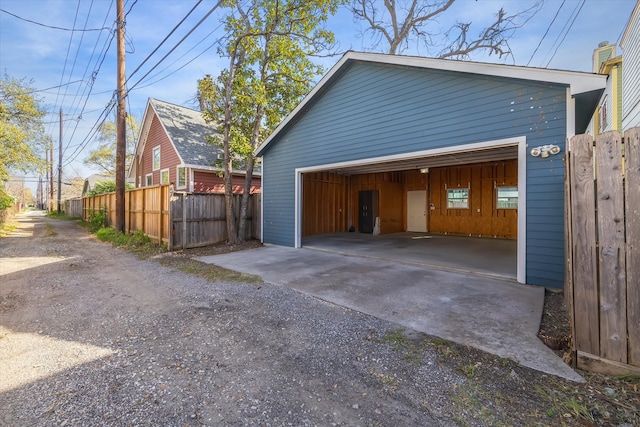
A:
424	170
545	150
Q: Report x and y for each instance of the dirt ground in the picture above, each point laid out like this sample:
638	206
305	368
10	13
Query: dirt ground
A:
94	335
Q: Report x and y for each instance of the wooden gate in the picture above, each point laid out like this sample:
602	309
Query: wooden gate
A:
603	250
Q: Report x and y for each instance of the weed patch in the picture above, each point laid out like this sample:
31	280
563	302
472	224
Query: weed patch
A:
50	230
60	215
137	242
210	272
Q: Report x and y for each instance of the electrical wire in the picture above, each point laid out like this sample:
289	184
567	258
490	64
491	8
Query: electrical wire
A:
182	56
51	26
546	32
164	40
565	34
178	44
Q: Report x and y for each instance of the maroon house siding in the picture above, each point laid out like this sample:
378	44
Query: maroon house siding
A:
168	157
208	182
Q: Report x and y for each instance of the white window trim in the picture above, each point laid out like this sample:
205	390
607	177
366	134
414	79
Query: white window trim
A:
162	171
148	177
186	178
153	158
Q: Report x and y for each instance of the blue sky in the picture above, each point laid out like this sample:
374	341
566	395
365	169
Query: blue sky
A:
54	57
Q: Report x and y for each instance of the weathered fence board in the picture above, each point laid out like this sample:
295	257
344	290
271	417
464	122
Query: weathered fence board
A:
584	244
611	243
200	219
72	207
603	240
632	199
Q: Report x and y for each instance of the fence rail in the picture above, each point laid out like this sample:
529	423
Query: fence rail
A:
603	250
179	220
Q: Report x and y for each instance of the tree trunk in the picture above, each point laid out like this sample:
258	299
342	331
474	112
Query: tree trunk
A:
244	202
232	235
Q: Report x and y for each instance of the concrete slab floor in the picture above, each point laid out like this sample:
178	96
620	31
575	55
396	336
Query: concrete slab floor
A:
480	255
498	316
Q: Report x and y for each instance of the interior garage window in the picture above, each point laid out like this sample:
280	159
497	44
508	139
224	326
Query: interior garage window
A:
507	198
458	198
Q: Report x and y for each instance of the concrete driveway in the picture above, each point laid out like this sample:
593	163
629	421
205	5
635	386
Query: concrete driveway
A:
498	316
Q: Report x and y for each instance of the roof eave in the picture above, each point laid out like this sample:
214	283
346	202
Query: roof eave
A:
579	82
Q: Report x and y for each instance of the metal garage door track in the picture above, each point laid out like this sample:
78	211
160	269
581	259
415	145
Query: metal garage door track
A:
497	316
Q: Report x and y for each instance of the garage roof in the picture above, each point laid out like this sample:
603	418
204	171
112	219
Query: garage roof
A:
580	83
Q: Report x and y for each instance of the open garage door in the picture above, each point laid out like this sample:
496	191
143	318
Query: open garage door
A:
469	191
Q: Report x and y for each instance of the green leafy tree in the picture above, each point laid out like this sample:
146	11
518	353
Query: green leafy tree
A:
108	186
269	44
396	23
104	156
22	139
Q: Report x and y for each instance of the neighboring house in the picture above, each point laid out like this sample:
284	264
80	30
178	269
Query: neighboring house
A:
91	181
172	149
630	44
430	145
608	115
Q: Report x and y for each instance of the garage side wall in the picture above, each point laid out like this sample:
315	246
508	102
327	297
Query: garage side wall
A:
376	110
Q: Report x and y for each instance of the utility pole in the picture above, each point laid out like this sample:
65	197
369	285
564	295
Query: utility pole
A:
60	165
121	123
50	166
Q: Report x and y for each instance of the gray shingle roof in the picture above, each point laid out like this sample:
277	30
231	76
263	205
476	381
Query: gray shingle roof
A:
188	131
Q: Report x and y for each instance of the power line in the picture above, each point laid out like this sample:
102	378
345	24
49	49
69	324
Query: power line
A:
52	26
546	32
182	56
565	34
164	40
178	44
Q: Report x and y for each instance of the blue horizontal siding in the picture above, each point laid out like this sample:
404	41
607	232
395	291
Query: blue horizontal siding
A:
377	110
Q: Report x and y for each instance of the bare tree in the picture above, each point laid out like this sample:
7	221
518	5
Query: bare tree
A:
398	23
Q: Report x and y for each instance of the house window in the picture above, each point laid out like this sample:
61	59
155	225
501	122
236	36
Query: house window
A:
603	114
164	177
458	198
149	180
156	158
181	173
507	198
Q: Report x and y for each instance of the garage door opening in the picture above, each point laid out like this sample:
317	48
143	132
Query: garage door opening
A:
460	209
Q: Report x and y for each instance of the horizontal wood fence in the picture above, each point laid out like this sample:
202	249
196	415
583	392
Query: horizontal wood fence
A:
603	250
179	220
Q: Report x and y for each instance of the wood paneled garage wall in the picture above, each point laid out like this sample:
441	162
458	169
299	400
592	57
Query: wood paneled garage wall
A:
330	201
482	217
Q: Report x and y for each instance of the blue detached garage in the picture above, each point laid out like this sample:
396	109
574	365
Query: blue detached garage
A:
386	144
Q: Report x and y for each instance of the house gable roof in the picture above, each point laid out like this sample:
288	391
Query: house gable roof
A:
578	82
187	131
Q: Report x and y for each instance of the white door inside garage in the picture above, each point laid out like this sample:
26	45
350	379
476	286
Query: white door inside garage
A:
417	211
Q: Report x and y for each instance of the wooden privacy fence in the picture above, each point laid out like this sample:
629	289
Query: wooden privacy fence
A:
72	207
179	220
200	219
603	250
